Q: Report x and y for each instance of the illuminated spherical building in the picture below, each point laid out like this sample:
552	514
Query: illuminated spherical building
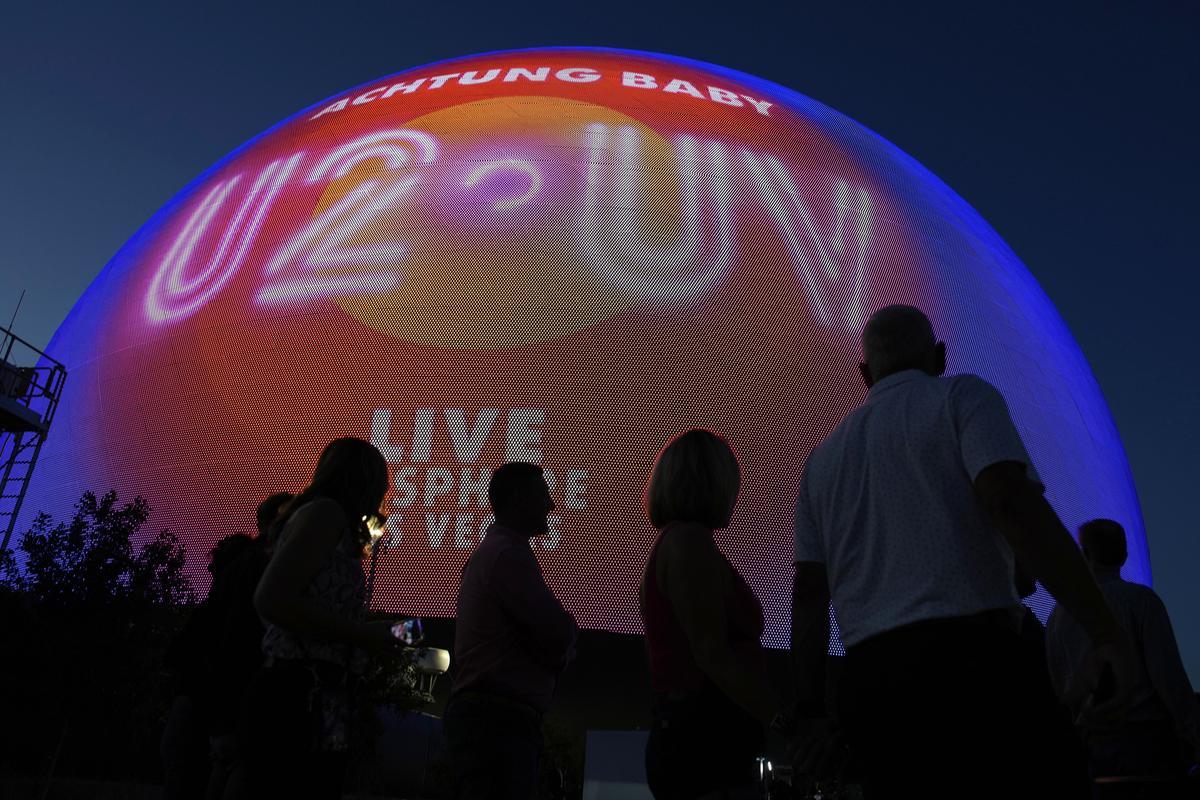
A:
558	255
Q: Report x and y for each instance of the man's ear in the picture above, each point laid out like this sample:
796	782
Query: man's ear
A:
865	371
939	355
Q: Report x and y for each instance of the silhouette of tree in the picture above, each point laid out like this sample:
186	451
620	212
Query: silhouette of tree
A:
90	559
87	615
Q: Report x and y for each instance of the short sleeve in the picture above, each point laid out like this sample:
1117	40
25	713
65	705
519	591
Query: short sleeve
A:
808	539
986	433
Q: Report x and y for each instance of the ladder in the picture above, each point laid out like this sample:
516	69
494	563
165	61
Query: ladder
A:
31	385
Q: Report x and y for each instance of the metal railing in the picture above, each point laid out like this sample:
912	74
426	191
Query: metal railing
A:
31	384
29	379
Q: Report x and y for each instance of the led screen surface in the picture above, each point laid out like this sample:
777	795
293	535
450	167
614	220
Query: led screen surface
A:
564	256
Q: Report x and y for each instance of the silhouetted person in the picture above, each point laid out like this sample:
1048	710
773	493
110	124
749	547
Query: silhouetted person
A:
512	639
234	653
910	514
1159	736
184	745
311	597
703	628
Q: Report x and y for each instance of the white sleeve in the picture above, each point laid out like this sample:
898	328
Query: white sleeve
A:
808	536
986	433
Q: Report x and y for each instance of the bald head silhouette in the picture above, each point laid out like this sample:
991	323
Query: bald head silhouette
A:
897	338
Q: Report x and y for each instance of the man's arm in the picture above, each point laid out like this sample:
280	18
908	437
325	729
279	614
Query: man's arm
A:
820	749
810	636
1047	552
527	599
1043	547
1005	484
810	607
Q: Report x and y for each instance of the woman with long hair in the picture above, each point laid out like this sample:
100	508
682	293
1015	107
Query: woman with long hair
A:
703	625
312	599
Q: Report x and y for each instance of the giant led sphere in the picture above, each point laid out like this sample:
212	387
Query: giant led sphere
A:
564	256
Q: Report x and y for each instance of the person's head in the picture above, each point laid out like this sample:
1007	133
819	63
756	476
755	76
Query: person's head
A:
352	472
520	498
270	509
1103	543
696	478
897	338
226	551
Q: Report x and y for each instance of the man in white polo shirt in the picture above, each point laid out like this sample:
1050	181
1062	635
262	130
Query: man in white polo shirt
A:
909	516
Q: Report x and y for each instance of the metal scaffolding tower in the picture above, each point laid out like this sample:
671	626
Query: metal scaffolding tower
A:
30	387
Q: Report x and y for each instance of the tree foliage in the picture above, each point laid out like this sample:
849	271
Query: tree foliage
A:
88	606
91	560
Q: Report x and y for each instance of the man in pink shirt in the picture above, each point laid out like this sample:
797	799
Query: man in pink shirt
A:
512	640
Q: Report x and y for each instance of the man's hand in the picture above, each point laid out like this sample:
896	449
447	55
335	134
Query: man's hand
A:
819	749
1108	677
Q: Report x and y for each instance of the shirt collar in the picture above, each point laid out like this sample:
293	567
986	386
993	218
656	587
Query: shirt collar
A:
501	530
893	380
1106	574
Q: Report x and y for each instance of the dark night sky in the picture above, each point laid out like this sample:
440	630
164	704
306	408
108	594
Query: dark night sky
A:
1072	132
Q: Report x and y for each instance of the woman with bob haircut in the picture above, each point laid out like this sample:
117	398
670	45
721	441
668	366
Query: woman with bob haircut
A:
703	625
312	597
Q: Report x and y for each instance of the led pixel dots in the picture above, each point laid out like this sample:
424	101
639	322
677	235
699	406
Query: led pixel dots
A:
564	256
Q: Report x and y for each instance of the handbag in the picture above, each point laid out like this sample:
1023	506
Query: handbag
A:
332	698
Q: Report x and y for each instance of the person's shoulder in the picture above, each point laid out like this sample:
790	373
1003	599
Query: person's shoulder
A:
321	508
830	447
968	386
319	514
1132	592
829	456
969	391
964	384
497	555
495	545
500	537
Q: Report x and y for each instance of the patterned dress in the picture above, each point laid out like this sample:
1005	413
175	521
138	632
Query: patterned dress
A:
339	586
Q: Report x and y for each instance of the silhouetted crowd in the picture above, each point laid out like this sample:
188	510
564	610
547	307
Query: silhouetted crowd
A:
921	519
